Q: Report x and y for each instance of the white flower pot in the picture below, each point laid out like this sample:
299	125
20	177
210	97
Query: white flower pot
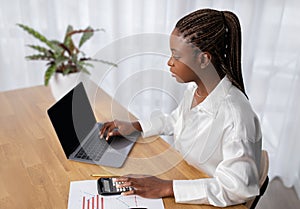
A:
61	84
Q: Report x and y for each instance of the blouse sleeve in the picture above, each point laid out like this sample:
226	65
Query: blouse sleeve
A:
163	124
160	123
235	181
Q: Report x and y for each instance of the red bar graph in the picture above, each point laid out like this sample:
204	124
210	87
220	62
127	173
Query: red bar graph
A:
83	202
92	202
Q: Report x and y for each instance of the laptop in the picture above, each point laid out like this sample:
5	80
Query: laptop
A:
78	132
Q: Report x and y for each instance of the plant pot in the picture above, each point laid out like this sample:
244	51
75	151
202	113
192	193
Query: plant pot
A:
61	84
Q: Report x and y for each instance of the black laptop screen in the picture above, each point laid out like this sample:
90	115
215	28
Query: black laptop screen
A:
72	118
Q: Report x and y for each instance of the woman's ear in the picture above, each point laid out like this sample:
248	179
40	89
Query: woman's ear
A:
204	59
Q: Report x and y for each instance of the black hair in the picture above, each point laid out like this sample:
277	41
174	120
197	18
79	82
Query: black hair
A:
218	33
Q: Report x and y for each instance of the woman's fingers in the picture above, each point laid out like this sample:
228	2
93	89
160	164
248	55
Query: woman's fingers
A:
146	186
106	128
115	128
130	192
112	133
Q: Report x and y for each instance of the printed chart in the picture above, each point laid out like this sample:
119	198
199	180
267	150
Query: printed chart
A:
90	201
84	195
120	202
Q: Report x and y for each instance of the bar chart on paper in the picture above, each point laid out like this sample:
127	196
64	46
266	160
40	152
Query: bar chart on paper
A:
133	201
83	195
90	201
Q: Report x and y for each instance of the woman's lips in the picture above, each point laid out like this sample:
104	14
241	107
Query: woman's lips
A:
173	74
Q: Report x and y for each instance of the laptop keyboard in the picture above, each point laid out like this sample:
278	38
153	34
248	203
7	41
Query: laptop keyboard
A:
93	149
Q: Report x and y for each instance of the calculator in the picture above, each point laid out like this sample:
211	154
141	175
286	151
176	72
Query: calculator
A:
106	186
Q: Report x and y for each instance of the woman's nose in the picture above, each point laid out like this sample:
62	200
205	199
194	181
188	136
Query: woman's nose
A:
170	62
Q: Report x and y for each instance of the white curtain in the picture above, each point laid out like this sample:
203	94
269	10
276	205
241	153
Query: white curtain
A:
136	38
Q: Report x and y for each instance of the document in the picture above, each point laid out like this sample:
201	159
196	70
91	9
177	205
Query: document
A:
84	195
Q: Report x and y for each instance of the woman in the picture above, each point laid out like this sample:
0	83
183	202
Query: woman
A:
214	126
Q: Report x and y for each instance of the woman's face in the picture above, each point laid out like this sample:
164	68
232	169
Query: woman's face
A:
183	62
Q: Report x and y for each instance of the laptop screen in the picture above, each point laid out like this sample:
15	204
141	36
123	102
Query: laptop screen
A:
72	118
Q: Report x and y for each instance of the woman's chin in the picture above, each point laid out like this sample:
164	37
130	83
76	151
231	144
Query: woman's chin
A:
178	79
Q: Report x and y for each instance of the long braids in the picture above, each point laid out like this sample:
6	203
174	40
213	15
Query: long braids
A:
219	33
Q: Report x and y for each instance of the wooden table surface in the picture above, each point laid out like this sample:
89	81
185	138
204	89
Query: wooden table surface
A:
34	172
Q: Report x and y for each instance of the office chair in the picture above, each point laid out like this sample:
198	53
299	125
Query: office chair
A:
263	181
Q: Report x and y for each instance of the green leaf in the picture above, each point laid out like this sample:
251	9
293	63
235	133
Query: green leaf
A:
81	66
87	64
49	72
44	50
61	60
56	47
35	34
64	47
69	69
105	62
68	42
38	57
83	69
89	32
67	37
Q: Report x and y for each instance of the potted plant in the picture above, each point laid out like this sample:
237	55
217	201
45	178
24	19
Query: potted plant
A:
63	58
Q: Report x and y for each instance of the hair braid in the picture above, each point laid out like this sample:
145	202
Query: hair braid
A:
219	33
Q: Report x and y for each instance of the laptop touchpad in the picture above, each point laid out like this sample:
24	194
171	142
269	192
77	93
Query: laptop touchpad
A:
119	142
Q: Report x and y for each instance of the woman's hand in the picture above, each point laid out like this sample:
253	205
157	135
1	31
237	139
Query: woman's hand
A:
117	127
146	186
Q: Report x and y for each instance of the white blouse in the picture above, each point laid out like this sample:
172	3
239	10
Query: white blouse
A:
221	136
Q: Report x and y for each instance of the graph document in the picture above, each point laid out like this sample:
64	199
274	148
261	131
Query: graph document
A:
84	195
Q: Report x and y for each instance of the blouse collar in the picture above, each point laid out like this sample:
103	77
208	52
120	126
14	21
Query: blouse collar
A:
213	100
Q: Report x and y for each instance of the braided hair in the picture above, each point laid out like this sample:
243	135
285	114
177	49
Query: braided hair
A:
218	33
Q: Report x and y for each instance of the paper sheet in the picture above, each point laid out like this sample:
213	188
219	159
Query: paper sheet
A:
84	195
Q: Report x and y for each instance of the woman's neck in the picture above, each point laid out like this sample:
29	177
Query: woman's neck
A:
208	80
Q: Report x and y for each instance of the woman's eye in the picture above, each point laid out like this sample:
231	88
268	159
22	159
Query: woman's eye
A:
176	57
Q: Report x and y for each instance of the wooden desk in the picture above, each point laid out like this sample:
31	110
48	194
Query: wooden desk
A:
34	171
